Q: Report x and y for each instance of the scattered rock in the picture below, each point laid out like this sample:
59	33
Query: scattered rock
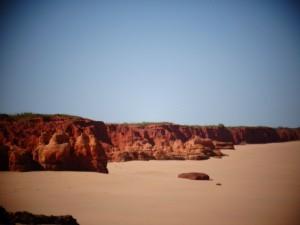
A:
194	176
223	145
197	156
217	153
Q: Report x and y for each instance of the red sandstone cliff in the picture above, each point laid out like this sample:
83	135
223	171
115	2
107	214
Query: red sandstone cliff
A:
52	143
171	141
41	142
166	141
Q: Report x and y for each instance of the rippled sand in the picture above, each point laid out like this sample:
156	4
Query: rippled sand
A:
260	186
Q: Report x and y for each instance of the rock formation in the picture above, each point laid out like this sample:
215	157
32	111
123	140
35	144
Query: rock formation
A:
56	155
61	142
8	218
52	143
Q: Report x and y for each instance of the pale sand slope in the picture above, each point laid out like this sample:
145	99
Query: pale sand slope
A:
260	185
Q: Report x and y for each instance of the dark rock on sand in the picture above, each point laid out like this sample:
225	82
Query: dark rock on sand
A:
194	176
7	218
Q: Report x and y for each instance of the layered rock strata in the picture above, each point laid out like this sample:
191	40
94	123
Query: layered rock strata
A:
56	142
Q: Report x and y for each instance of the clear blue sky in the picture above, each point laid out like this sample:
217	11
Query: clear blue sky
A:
188	62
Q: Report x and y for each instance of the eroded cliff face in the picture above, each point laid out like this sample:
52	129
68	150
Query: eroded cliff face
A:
258	135
166	141
171	141
52	143
73	143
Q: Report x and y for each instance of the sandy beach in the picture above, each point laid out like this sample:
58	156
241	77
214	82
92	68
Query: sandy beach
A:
260	185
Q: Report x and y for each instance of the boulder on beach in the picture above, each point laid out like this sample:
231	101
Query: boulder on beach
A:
194	176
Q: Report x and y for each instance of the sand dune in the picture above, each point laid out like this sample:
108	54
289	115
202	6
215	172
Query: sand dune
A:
260	185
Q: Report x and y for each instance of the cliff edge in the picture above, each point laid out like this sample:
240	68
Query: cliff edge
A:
63	142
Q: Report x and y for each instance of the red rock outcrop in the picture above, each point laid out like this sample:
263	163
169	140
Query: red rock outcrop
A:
72	143
56	155
257	135
159	141
171	141
53	143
